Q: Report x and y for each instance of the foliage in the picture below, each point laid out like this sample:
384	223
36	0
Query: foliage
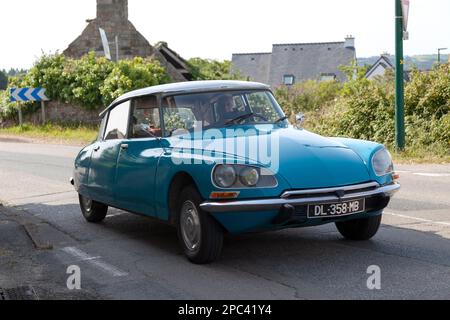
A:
7	109
71	133
206	69
308	96
3	80
129	75
365	109
91	81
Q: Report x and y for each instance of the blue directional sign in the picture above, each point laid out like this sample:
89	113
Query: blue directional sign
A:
28	94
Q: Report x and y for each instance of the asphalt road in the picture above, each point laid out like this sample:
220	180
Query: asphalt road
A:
132	257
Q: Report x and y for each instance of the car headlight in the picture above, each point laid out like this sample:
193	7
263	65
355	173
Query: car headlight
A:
382	163
243	177
249	177
225	176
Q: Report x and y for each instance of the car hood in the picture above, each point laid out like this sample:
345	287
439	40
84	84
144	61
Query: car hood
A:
305	160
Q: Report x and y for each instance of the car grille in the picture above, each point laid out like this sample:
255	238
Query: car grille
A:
338	191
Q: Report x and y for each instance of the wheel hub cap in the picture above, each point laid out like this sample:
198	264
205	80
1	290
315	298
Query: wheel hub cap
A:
190	226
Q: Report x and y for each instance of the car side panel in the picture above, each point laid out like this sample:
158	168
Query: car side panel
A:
102	173
135	177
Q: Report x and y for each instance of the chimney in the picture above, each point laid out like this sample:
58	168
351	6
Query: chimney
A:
112	10
349	42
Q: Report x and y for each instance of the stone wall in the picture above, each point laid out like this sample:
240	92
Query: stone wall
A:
58	112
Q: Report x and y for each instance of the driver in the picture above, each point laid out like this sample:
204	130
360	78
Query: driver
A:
227	109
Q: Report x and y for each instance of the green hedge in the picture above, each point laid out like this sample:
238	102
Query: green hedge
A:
91	82
365	109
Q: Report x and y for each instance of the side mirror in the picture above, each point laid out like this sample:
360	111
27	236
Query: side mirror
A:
300	119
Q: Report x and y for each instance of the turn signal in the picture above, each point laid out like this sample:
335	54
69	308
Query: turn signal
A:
224	195
395	176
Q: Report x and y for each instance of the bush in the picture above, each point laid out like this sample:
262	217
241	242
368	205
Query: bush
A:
365	109
91	81
308	96
7	109
206	69
129	75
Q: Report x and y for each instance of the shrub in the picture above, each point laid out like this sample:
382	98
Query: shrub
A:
91	81
207	69
365	109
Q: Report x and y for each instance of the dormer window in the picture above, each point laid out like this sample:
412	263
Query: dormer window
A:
327	77
289	79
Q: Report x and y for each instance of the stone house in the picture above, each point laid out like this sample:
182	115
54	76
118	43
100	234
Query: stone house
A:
112	16
296	62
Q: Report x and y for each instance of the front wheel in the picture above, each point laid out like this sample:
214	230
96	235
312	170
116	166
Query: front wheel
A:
201	237
93	211
360	229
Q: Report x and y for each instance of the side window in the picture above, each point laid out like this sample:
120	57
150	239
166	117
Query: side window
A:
118	122
146	121
101	131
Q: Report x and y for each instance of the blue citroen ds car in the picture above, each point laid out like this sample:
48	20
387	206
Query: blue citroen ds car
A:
219	157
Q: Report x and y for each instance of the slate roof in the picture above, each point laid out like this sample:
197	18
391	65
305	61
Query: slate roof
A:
304	61
386	62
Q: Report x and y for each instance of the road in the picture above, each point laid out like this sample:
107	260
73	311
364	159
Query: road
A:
132	257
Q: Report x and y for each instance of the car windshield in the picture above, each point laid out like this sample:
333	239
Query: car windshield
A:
219	110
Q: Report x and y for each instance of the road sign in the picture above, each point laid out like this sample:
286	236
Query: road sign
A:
105	43
405	14
405	10
28	94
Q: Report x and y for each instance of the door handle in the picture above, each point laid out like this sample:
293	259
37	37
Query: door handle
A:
97	148
124	147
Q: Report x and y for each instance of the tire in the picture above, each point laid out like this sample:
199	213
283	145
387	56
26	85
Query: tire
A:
360	229
200	236
93	212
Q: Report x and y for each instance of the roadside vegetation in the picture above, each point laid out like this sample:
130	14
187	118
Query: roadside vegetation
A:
360	108
364	109
52	133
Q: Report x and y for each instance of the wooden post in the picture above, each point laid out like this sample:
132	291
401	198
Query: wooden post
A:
20	114
43	112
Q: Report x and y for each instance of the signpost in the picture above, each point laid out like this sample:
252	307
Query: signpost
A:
401	33
27	95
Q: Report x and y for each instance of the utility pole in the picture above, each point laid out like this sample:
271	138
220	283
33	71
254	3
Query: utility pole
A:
399	78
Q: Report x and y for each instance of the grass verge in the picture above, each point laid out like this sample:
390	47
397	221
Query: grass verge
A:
53	133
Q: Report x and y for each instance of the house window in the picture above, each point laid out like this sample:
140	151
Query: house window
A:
327	77
288	79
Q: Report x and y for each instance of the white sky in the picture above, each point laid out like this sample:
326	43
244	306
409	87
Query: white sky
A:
216	29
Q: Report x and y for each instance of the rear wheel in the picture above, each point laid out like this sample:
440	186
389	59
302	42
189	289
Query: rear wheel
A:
201	237
93	211
360	229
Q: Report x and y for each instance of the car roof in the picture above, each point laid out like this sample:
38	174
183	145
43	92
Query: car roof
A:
189	87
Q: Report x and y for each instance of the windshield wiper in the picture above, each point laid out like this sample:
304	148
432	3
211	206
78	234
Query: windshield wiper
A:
240	118
281	119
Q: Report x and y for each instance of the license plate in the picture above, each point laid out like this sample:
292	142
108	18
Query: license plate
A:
340	209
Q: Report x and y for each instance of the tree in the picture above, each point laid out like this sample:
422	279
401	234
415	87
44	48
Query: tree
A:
207	69
3	81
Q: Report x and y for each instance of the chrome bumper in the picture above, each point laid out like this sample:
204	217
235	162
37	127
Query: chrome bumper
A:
316	196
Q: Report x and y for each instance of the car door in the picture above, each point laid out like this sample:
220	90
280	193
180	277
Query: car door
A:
138	158
102	174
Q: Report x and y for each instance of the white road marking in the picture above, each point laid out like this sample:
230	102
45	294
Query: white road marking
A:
83	256
115	215
447	224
